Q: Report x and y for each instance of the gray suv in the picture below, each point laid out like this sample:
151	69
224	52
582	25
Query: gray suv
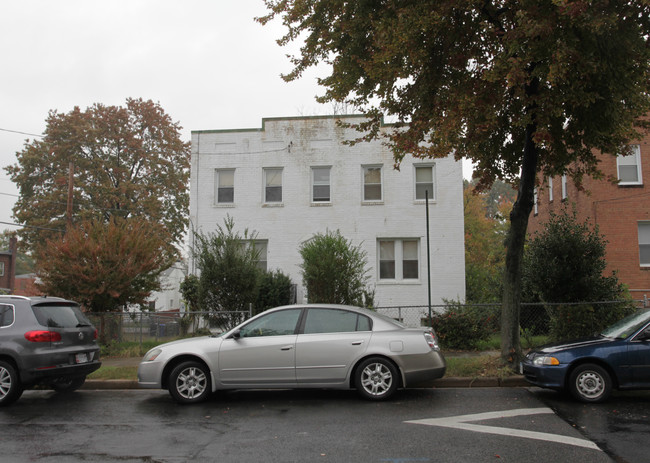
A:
44	340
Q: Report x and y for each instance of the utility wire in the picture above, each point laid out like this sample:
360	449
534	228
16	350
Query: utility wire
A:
22	133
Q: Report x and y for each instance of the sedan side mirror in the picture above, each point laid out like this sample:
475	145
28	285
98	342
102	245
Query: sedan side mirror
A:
236	334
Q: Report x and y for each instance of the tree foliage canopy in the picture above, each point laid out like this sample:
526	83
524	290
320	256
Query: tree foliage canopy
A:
485	231
128	161
105	266
334	271
229	275
470	76
517	87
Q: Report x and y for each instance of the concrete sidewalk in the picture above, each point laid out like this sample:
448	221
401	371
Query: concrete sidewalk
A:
446	382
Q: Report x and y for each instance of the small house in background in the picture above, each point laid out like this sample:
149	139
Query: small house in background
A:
8	267
169	297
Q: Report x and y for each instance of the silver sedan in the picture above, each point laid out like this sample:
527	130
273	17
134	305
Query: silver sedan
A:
298	346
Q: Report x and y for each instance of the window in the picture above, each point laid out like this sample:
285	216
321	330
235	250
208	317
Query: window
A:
372	190
6	315
262	246
535	207
644	244
629	167
424	182
280	323
273	185
224	180
399	259
550	189
320	180
335	321
410	262
2	269
565	195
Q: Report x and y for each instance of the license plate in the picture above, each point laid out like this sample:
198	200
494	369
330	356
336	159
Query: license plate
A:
81	358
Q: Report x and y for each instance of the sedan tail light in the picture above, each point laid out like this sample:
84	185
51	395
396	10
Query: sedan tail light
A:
430	337
43	336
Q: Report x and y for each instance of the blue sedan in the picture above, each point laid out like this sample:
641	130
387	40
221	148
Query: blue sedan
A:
618	358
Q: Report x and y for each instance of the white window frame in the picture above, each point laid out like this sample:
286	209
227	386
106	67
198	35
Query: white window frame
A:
265	185
565	194
433	195
217	187
398	260
635	156
550	189
643	230
535	205
314	184
364	169
2	269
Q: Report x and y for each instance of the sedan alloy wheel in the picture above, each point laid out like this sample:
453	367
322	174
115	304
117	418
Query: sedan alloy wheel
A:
189	382
376	378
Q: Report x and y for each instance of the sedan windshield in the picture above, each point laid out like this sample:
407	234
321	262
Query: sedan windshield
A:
627	326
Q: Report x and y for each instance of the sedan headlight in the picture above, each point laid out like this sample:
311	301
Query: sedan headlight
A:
546	360
151	355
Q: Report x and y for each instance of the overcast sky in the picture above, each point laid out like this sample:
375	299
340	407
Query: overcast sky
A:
207	62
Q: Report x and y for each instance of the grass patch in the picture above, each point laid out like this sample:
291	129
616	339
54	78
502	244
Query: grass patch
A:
126	349
115	373
476	367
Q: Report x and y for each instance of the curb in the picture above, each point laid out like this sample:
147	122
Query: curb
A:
451	382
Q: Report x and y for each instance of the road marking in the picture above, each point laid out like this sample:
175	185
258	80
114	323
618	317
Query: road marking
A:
463	422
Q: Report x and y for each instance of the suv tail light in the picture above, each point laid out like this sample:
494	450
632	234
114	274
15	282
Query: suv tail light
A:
43	336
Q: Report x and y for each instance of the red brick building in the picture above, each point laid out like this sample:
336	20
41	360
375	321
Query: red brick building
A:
621	211
8	267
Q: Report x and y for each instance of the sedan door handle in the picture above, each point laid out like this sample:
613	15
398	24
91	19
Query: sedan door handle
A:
286	348
357	343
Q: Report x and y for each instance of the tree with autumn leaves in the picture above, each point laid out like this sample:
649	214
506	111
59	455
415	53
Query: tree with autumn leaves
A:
520	88
105	266
103	196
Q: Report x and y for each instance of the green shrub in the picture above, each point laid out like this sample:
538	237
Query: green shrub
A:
458	328
275	290
582	320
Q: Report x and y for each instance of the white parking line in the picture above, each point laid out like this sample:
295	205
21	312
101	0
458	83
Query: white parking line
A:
463	422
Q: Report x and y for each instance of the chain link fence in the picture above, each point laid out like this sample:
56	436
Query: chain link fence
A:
162	326
535	319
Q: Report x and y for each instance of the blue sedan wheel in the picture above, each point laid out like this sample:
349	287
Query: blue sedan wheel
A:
590	383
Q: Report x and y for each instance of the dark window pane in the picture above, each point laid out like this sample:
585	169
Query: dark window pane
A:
372	192
330	321
321	193
387	269
226	195
273	194
275	324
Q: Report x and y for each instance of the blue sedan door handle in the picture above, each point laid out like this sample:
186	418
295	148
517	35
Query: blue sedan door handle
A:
286	348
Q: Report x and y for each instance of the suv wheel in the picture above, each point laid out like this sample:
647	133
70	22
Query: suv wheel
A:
10	387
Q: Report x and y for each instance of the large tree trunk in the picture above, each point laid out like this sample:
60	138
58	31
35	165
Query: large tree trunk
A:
510	343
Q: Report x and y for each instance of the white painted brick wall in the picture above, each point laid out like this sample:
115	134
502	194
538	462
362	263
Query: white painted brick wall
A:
297	144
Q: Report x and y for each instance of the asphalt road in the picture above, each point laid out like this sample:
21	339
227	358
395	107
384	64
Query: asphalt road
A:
620	426
422	425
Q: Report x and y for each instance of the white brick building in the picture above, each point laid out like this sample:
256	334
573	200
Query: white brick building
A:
295	177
